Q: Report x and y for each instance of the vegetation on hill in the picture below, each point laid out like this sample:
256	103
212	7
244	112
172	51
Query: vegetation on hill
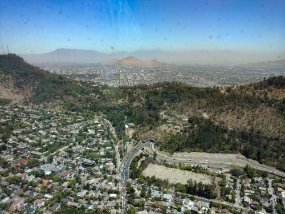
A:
4	102
256	136
270	91
41	85
247	119
206	136
23	73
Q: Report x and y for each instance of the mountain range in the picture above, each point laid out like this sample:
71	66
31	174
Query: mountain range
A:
66	56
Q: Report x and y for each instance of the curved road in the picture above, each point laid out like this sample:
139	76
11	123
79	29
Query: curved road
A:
124	171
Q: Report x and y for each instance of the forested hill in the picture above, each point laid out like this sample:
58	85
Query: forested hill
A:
21	72
246	119
20	79
272	88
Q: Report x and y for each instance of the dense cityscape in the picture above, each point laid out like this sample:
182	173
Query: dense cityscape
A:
196	75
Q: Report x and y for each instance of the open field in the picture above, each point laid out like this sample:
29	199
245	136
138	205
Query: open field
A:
213	160
175	175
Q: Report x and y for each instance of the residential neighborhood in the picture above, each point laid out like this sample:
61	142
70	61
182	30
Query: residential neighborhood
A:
56	162
55	158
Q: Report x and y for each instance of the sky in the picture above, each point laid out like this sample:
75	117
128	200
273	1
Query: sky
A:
39	26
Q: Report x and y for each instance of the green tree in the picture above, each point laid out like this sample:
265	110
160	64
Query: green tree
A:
131	210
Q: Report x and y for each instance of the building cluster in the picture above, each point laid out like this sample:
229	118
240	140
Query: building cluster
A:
197	75
260	194
159	201
52	160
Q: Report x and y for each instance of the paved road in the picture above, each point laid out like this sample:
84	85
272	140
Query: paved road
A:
124	171
118	160
238	199
273	196
125	164
124	174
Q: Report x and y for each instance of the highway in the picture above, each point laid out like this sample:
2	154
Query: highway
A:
124	171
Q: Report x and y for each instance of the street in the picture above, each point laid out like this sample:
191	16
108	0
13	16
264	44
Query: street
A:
124	171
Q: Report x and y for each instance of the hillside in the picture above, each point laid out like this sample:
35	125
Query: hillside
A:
22	82
272	88
17	78
62	56
135	61
23	74
239	120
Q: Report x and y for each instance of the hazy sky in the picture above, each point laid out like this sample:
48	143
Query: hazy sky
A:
37	26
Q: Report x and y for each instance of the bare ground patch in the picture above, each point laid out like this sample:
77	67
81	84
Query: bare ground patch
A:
175	176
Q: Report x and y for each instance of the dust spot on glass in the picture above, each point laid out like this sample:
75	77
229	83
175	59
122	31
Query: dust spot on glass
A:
68	39
112	47
164	38
86	26
59	12
211	37
218	36
26	21
156	29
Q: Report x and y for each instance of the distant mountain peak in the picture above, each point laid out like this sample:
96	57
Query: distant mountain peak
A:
131	60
